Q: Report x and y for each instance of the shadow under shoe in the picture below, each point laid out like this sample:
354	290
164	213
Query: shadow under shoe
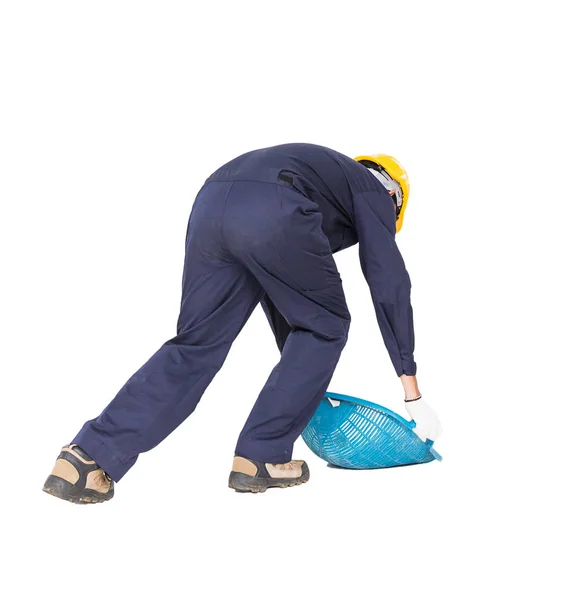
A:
251	476
78	479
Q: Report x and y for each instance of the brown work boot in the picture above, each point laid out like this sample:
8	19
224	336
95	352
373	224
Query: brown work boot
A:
251	476
77	478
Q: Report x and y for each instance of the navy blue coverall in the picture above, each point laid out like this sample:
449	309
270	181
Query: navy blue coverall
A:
263	229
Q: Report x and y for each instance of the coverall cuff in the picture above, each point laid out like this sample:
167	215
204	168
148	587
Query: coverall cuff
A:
408	367
262	451
112	463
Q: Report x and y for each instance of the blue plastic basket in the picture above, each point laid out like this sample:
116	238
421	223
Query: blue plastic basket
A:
357	434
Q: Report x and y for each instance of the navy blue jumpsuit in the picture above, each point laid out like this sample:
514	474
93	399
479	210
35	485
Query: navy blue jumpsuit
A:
263	230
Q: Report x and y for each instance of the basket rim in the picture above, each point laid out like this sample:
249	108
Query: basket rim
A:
377	407
382	409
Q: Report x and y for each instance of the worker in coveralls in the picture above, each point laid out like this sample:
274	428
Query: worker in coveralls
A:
263	230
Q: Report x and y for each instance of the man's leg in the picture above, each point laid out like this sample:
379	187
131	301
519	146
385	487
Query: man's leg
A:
219	295
281	329
296	269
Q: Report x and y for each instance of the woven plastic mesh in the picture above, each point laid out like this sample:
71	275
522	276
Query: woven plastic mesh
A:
358	437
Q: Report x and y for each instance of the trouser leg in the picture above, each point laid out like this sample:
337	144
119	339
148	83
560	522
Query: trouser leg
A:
296	269
218	296
281	329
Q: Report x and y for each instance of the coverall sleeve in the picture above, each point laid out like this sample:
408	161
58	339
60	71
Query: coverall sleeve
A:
388	279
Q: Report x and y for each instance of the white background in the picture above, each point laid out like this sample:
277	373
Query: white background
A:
112	115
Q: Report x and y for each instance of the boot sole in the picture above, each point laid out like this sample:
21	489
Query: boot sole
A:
242	483
60	488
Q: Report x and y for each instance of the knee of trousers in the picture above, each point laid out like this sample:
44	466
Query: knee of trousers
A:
338	331
195	355
346	325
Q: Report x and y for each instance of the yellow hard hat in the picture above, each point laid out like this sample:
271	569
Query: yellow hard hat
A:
393	168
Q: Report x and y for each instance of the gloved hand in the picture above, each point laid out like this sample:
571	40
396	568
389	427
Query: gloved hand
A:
428	425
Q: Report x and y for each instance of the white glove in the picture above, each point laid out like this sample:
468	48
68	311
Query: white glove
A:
428	425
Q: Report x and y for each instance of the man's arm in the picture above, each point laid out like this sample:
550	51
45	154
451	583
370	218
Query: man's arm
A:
388	279
390	287
410	386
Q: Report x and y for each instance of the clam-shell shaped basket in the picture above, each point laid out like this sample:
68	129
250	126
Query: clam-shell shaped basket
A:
356	434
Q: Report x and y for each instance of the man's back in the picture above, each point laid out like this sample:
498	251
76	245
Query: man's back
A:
326	176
